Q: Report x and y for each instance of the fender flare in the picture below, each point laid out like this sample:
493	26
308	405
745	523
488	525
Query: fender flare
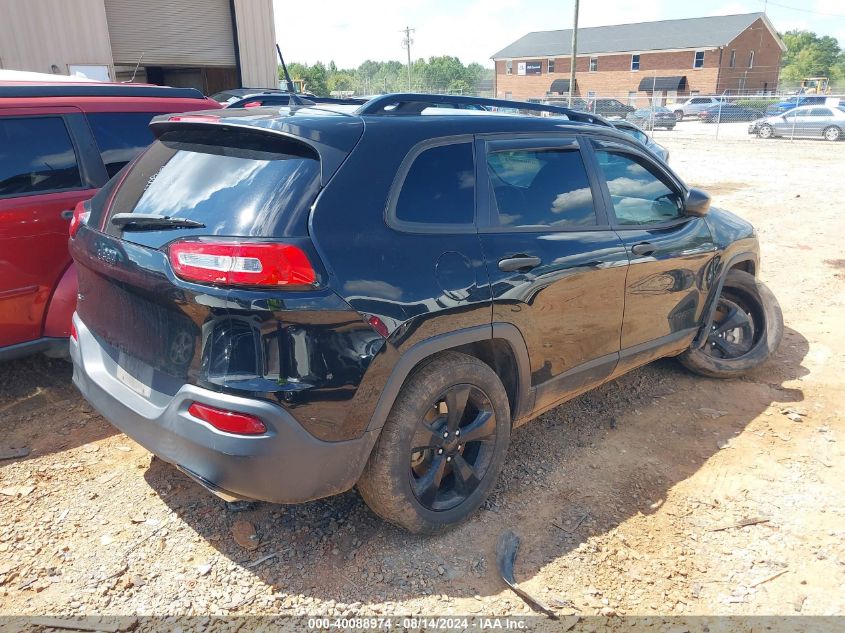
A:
716	290
421	350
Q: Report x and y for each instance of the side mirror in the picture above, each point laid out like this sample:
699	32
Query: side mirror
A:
697	203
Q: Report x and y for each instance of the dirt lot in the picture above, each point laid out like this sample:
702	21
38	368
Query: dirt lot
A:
627	499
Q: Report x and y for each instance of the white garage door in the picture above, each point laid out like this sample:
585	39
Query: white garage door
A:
171	32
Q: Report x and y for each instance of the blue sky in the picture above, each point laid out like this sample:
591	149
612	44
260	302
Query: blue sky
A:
350	32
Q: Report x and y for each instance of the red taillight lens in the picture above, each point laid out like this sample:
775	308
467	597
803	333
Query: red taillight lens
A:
241	263
228	421
80	217
73	333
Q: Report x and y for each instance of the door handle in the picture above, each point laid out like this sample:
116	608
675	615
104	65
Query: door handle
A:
67	214
522	263
643	248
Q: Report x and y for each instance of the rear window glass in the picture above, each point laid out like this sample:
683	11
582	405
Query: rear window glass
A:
236	183
439	187
120	136
36	156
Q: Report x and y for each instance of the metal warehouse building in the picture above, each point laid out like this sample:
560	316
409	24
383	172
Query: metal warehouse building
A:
206	44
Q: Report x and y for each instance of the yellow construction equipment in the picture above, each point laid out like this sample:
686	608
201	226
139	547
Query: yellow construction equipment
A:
815	86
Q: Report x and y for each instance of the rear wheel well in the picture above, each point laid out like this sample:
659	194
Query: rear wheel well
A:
498	355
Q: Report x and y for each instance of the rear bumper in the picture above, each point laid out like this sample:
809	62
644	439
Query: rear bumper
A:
285	465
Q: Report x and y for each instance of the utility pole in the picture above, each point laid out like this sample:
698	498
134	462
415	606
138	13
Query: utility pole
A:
574	56
406	43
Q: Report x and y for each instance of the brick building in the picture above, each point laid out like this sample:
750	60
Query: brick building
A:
664	60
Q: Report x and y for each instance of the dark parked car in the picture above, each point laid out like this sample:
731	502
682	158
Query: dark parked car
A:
795	102
653	117
58	144
728	113
286	304
228	97
632	130
609	107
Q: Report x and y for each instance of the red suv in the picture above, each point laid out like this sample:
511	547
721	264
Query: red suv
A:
59	143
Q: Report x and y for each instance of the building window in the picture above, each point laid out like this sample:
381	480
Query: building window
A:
751	59
508	67
699	59
635	62
508	96
732	63
694	93
594	64
551	66
632	98
591	94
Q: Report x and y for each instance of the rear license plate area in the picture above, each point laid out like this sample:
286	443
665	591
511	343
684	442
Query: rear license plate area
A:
135	374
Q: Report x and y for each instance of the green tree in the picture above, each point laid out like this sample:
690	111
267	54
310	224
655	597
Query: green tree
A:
809	55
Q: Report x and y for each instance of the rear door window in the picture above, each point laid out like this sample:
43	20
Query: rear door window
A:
243	184
439	188
120	136
541	188
36	156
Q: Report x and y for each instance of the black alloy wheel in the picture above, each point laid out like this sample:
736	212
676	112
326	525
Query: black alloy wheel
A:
452	448
734	331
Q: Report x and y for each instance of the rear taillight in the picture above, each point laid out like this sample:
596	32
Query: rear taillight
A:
228	421
241	263
253	104
80	216
73	333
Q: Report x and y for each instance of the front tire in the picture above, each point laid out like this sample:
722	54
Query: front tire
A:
679	115
747	328
766	131
832	133
442	447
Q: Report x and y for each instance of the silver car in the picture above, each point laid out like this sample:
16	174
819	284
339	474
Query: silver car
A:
694	105
629	128
823	121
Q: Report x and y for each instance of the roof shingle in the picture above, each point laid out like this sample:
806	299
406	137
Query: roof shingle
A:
706	32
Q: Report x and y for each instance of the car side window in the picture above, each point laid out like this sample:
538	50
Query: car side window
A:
639	194
36	156
120	136
541	188
439	187
820	112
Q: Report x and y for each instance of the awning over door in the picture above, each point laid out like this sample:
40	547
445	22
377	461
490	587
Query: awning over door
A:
561	85
654	84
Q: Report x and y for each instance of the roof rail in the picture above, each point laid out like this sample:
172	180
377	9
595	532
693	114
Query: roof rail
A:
97	90
411	104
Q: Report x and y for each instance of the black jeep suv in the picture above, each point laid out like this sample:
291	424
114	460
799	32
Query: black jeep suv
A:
289	302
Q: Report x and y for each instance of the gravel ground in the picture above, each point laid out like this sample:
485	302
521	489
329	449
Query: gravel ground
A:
630	500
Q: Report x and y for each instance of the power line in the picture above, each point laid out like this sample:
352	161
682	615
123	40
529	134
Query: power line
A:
784	6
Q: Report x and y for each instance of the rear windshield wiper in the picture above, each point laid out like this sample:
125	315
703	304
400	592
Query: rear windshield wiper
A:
150	222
